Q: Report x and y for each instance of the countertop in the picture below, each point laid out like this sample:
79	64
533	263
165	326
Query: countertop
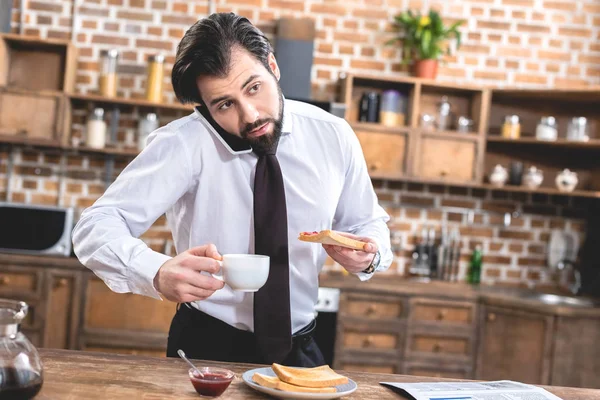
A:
85	375
383	284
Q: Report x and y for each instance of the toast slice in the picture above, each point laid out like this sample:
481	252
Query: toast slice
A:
331	237
318	377
274	382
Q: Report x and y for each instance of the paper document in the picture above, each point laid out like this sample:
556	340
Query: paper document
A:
498	390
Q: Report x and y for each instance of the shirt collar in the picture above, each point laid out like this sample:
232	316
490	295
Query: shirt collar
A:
234	144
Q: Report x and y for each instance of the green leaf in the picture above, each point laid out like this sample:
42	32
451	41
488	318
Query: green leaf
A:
426	41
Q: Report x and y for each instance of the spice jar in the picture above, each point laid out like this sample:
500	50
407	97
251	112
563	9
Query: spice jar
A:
444	115
155	78
511	129
577	129
108	72
96	130
390	113
146	126
546	129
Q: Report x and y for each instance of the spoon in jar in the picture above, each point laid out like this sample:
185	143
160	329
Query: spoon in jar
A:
182	355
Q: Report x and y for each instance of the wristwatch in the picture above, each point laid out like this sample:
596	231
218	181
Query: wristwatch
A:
374	264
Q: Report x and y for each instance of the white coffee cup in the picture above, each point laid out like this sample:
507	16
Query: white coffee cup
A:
244	272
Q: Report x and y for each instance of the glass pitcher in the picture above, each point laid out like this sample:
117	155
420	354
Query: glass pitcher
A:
20	365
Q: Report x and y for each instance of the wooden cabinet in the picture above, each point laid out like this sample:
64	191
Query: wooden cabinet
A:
385	153
576	352
70	308
515	345
125	322
440	158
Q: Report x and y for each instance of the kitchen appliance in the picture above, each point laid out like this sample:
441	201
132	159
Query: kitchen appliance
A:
328	303
35	229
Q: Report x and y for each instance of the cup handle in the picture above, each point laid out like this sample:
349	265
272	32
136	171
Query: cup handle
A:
219	277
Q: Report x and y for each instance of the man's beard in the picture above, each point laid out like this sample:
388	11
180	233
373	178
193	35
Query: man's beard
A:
267	141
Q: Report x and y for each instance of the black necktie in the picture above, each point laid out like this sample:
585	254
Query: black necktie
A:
272	321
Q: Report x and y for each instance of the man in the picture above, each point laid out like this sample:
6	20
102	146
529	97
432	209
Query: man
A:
245	173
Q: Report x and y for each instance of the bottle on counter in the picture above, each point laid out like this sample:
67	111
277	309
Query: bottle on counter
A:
146	126
511	129
474	274
96	130
108	72
156	72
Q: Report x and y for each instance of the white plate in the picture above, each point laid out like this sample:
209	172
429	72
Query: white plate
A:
342	390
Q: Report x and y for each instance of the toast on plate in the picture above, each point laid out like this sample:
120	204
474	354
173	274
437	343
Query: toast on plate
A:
318	377
274	382
331	237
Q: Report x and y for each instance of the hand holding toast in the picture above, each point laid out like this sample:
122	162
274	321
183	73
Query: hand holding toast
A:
352	252
353	261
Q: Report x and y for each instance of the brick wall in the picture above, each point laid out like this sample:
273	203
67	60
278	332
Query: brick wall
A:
506	42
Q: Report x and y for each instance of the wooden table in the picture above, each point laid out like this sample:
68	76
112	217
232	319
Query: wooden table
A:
85	375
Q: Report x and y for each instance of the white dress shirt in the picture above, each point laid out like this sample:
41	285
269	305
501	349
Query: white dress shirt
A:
191	172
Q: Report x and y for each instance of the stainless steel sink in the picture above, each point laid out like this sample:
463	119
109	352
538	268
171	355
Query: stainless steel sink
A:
559	300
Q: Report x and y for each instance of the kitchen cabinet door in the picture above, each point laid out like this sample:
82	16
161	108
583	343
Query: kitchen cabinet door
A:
515	345
446	159
576	360
61	309
385	153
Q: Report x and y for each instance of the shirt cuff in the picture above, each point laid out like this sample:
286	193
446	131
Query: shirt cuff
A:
142	271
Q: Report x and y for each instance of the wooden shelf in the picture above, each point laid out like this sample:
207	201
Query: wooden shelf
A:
376	127
130	102
592	144
47	144
485	186
471	136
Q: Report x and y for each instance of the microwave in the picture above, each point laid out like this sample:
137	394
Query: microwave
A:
35	229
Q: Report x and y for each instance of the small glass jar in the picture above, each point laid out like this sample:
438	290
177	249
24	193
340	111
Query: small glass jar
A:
464	124
390	112
577	129
511	129
427	122
156	72
146	126
546	129
96	130
444	115
108	72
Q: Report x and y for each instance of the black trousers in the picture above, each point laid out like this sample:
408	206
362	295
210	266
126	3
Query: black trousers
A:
203	337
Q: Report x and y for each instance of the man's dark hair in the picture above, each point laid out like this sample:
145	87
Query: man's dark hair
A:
205	50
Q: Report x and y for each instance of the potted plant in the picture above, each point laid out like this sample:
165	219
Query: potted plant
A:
425	39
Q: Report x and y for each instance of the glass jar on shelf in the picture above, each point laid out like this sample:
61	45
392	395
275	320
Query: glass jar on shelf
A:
21	372
391	112
511	129
577	129
547	129
95	136
146	125
154	82
108	72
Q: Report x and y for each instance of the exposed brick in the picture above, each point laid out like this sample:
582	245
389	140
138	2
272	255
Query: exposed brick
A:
515	247
514	274
519	14
503	26
46	199
135	15
27	184
154	44
54	6
44	20
533	28
51	186
458	203
416	201
578	32
476	231
350	37
367	52
522	3
161	5
526	78
286	4
97	12
487	259
113	40
532	262
491	272
454	217
328	8
511	234
433	215
88	24
537	248
335	62
178	19
490	75
567	5
18	197
347	49
371	65
371	13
